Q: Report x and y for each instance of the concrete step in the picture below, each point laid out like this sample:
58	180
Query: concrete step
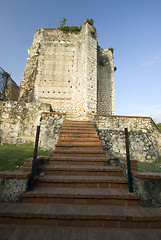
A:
88	196
82	182
76	170
79	153
115	217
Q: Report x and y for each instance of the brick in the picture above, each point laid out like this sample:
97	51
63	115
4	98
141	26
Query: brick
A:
142	224
34	221
110	224
79	223
49	221
155	225
66	223
127	224
95	223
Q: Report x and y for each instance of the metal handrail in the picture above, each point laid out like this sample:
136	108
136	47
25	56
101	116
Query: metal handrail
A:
33	171
130	180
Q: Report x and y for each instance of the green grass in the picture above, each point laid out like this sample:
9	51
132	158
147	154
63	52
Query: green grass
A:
12	156
149	167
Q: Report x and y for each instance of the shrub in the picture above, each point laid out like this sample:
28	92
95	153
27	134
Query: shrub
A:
90	21
72	29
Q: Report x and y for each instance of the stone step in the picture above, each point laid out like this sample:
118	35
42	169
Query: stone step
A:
76	146
115	217
82	182
82	161
79	153
75	170
88	196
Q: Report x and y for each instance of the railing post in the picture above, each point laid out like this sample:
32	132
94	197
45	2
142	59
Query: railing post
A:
130	182
32	176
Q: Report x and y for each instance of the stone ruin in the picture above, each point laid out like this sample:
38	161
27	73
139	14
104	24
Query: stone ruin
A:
68	76
71	72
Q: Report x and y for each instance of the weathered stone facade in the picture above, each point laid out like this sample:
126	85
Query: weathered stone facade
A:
105	84
70	72
144	136
19	120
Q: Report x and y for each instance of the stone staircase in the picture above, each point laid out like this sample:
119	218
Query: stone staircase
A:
76	190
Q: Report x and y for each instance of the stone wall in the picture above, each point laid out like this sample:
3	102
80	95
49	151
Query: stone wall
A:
148	187
105	77
12	186
144	136
19	121
50	126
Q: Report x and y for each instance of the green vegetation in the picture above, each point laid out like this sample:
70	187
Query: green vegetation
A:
74	29
159	126
12	156
90	21
115	68
149	167
62	22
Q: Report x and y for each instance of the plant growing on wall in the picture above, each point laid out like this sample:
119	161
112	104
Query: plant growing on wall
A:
90	21
75	29
62	22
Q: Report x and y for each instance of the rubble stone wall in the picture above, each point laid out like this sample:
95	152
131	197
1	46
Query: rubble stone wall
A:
144	136
19	121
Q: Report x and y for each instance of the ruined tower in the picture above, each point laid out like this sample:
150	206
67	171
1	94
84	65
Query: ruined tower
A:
69	71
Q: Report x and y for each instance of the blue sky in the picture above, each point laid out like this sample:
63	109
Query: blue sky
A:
132	28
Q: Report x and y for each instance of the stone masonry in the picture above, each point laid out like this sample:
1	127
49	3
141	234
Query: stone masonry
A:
144	136
70	72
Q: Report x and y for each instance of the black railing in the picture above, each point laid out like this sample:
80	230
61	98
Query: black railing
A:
33	171
130	181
